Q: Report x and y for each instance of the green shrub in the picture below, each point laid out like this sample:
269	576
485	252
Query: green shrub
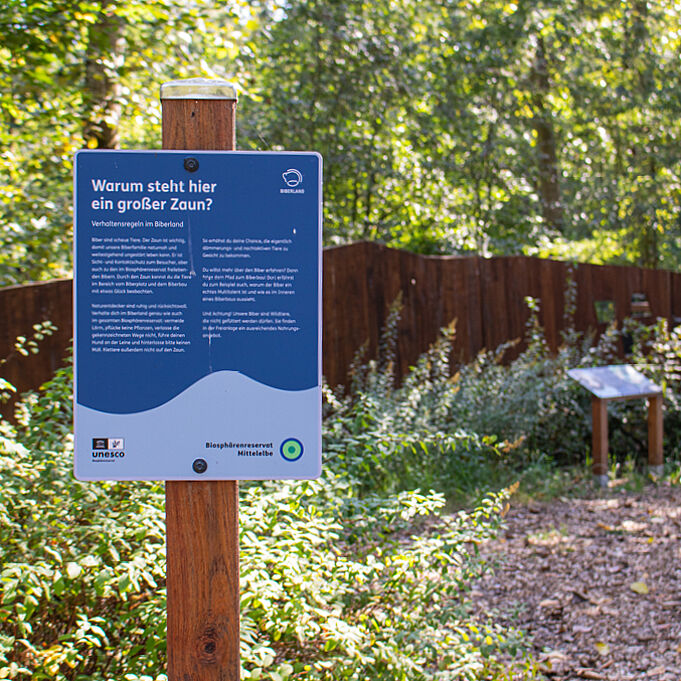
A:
465	432
386	438
334	585
81	569
656	350
532	406
353	594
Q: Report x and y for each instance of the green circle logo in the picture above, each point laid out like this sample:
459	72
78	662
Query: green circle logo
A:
291	449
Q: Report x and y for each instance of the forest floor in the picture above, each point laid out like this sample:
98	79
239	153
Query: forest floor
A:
594	582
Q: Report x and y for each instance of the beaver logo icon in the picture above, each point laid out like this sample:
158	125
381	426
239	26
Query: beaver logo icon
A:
292	177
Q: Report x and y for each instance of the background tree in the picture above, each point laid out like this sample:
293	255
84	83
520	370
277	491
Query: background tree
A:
344	78
86	74
489	126
544	127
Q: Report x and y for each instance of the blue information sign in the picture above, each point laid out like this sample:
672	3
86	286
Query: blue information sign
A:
197	315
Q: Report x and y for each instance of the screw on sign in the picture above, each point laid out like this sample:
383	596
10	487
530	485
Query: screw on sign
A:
191	165
200	466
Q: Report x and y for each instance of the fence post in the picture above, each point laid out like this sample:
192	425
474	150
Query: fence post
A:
202	521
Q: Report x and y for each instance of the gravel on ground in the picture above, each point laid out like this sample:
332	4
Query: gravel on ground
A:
594	582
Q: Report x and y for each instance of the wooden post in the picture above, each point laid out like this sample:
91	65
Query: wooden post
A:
202	516
655	432
599	438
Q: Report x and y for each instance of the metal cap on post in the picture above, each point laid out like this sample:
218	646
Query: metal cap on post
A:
198	88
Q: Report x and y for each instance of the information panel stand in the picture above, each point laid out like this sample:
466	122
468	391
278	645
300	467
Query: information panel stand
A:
202	517
620	382
197	343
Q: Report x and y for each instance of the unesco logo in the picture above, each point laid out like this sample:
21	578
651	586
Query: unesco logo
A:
115	443
108	448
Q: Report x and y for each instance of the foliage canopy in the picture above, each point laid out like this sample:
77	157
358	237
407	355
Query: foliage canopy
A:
543	126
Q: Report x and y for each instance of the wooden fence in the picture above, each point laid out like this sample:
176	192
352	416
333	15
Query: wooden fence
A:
20	308
486	297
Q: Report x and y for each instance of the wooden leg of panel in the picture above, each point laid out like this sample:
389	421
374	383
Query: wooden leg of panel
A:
599	411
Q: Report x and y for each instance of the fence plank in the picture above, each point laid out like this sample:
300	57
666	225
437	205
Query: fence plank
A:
657	285
459	299
522	279
552	283
345	309
493	305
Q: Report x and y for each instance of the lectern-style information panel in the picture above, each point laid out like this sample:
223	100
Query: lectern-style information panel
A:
615	382
197	315
620	382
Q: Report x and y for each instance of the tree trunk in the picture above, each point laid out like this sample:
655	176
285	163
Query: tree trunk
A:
106	48
547	158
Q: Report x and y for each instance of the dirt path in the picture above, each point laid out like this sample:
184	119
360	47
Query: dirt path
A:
595	583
